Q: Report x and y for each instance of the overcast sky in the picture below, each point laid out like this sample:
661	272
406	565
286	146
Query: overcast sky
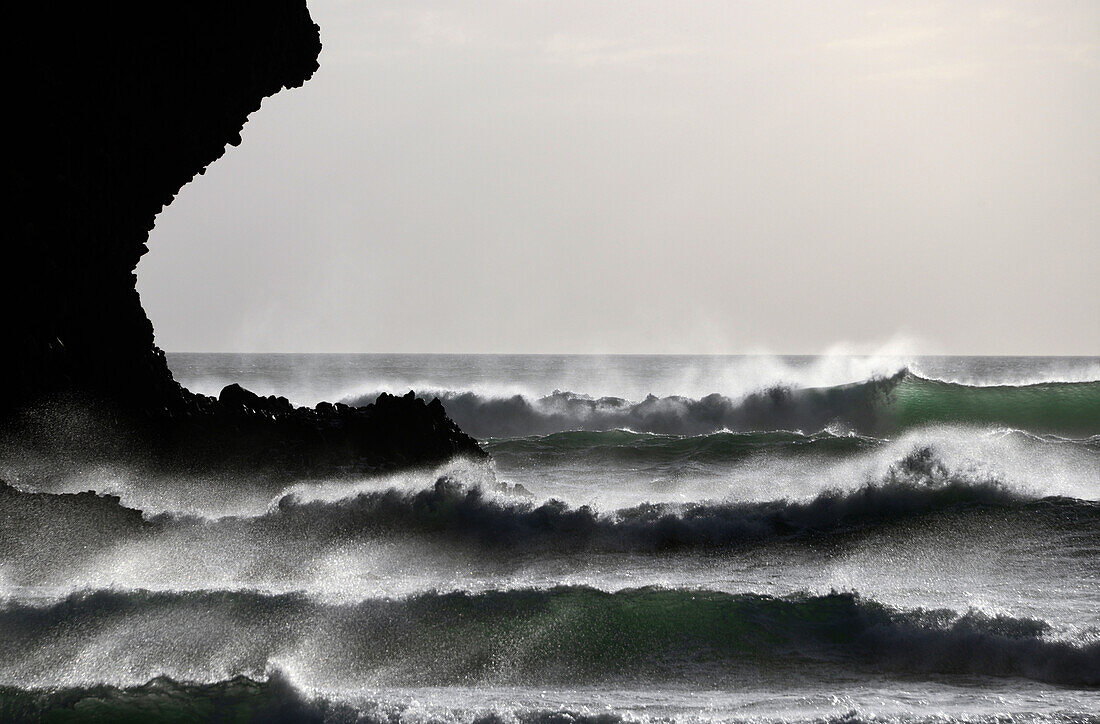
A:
633	176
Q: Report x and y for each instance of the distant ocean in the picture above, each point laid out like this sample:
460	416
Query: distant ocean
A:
655	538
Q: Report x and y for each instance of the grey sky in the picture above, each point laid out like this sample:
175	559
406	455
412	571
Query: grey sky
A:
594	176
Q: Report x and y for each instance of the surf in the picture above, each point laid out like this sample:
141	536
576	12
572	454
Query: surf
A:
917	486
877	406
561	635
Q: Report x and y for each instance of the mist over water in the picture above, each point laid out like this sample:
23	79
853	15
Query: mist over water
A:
798	537
307	379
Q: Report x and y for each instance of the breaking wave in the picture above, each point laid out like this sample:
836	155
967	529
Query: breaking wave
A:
874	407
916	486
565	635
453	511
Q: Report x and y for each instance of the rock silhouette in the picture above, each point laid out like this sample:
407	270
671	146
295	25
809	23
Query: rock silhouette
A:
116	106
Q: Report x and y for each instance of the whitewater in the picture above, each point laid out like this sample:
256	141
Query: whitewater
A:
652	538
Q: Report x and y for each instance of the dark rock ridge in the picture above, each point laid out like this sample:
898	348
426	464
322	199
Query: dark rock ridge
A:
117	106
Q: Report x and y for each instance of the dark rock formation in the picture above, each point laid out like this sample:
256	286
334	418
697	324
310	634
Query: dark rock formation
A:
117	106
270	432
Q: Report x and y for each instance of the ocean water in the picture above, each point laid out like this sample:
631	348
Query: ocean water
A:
662	538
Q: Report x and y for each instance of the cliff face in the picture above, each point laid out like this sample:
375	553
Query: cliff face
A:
118	105
123	103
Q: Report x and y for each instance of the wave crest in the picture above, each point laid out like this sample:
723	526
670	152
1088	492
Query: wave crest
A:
562	634
916	486
876	407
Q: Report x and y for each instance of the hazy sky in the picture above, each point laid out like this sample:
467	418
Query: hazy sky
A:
633	176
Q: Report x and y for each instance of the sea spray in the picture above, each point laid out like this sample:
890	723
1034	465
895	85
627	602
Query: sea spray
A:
875	407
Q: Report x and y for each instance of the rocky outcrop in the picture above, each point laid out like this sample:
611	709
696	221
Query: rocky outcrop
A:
270	432
117	106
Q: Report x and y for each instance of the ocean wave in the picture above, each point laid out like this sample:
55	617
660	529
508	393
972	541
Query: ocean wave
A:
877	407
625	461
613	446
566	635
272	699
452	511
916	486
275	700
